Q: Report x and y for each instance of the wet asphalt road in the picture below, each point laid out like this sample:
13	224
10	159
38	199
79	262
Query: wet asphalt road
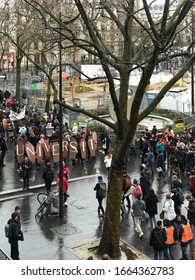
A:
51	238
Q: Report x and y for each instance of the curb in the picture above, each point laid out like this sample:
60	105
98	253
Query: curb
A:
14	192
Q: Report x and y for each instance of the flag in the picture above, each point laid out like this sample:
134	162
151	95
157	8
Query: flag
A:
17	116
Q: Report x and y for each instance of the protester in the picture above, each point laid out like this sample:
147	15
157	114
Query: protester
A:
150	158
99	195
161	166
126	187
185	237
144	184
191	210
26	166
169	209
171	234
48	176
157	241
15	235
151	207
138	208
108	160
64	187
3	149
192	183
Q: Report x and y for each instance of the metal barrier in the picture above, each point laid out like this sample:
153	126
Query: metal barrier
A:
3	256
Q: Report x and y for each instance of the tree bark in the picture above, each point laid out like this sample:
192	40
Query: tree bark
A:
48	95
111	232
18	77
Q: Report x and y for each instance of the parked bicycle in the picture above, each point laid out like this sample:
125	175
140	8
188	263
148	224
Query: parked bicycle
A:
48	203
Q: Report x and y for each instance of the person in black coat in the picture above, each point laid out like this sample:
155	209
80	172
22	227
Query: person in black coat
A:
15	235
26	166
160	165
178	199
99	197
151	207
3	149
48	176
145	185
157	241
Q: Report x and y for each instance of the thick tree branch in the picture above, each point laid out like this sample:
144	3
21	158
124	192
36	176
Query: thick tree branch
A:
87	113
166	88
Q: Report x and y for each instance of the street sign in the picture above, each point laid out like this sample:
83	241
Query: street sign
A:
83	124
179	125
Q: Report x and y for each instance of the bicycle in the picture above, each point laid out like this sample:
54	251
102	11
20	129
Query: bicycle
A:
45	202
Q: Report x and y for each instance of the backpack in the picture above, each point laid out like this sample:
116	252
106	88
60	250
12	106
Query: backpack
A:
181	197
137	190
102	190
158	240
8	231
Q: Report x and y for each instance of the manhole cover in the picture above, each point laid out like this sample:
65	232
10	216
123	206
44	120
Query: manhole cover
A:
66	229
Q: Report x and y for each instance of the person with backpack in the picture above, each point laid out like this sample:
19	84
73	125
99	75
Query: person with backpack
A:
157	241
178	199
48	176
15	234
137	189
100	189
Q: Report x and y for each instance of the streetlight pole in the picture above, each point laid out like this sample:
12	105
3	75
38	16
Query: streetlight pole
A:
61	200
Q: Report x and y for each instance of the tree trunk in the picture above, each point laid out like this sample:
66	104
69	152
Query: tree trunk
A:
18	78
48	95
109	243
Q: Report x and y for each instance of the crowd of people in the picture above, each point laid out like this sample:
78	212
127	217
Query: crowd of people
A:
33	147
159	151
162	152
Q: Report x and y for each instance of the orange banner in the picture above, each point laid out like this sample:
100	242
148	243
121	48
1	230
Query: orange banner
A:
94	136
39	153
30	151
55	151
46	149
73	149
20	152
83	149
65	146
91	145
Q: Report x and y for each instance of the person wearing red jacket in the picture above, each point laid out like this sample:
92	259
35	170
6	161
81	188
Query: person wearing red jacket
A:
65	170
65	187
